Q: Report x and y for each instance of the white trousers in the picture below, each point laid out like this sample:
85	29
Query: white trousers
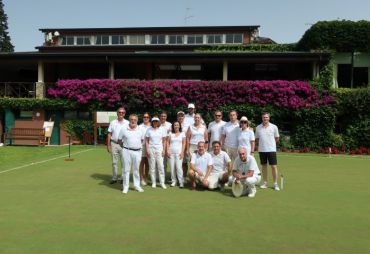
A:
176	168
214	179
132	159
116	156
156	160
250	182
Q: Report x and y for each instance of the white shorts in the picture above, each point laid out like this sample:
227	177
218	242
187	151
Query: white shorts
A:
214	179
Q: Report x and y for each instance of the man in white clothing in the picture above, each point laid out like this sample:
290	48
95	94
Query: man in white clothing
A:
215	129
200	166
112	141
229	137
189	117
221	167
246	171
131	138
267	135
166	126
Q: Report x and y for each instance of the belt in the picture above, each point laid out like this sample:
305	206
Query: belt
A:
113	141
132	149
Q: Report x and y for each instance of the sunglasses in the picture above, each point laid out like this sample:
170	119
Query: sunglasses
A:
218	115
120	112
243	122
145	116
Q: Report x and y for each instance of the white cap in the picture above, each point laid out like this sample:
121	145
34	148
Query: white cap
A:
244	118
155	119
191	105
180	113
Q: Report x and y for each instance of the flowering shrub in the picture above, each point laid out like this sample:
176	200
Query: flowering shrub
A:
207	95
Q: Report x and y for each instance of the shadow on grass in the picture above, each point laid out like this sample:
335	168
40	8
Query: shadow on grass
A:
104	179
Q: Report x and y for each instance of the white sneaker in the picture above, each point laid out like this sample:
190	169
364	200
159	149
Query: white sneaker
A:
163	186
264	186
143	183
252	192
125	190
154	185
276	187
173	184
139	189
181	185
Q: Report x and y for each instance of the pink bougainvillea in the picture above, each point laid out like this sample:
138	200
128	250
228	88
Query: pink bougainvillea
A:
206	94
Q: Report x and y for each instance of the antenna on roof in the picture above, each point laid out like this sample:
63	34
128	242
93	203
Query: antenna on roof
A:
187	16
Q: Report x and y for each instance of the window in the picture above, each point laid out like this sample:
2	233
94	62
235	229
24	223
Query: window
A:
137	39
195	39
67	40
83	40
102	40
234	38
77	115
158	39
214	38
118	39
360	76
176	39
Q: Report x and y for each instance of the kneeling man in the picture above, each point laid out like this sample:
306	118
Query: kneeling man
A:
221	167
246	171
200	166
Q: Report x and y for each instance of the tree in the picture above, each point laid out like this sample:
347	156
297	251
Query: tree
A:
5	43
337	35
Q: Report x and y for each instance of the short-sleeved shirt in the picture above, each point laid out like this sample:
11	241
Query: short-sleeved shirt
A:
201	162
231	131
167	126
132	138
184	127
197	135
144	128
189	120
115	128
176	143
243	167
244	139
215	129
266	136
220	161
155	138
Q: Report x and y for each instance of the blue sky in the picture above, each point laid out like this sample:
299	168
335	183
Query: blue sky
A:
282	20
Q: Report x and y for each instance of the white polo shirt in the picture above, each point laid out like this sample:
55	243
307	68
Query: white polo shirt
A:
115	128
220	162
266	136
184	127
197	135
215	129
167	127
155	138
189	120
244	139
231	132
132	138
243	167
201	162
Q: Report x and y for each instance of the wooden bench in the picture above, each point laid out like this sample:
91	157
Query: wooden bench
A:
25	134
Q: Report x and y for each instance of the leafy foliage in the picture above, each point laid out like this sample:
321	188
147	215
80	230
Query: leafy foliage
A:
76	128
341	36
5	42
31	103
249	48
207	95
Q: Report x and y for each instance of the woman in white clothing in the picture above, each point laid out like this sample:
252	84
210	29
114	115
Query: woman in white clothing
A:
175	153
246	136
144	165
196	133
155	140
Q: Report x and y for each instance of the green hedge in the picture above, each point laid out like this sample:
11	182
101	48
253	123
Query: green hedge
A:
31	103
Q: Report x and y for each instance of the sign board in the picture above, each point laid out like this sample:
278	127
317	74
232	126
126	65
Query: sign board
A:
48	127
105	116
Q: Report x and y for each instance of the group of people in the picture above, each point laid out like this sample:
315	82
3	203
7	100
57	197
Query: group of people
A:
212	157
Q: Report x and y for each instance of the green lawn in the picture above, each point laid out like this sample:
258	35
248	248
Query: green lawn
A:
68	207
